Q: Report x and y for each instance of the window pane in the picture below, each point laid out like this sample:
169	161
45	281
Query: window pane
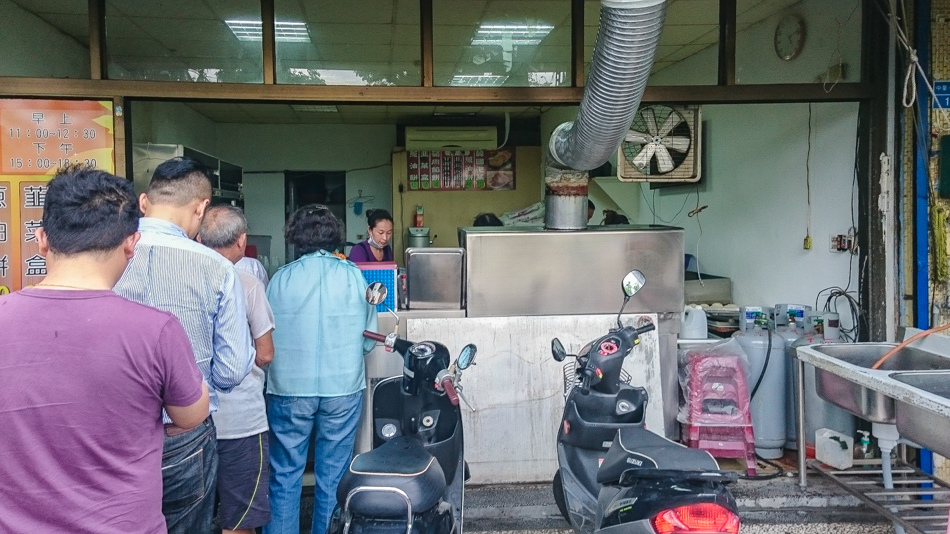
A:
184	40
798	42
45	39
502	43
353	42
688	53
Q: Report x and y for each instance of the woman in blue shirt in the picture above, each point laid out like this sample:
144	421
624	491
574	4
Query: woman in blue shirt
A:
317	377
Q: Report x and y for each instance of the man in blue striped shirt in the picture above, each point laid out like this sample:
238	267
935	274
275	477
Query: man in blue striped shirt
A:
199	286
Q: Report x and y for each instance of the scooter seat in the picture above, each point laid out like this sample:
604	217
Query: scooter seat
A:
638	448
401	463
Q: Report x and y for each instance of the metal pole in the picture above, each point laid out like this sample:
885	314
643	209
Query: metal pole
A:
800	420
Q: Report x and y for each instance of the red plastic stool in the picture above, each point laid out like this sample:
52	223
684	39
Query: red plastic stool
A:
718	406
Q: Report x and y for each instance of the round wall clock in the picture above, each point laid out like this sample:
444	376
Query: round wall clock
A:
789	37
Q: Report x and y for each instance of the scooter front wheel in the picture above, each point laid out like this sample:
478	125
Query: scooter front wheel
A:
558	487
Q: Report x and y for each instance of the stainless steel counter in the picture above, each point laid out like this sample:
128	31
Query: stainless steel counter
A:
529	271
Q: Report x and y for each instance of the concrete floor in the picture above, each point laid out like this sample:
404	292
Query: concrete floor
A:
776	506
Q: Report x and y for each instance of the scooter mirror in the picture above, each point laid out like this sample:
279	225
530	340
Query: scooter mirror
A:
633	282
467	356
376	293
557	350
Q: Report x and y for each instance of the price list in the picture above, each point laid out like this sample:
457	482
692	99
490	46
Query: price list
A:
40	136
7	257
37	137
461	170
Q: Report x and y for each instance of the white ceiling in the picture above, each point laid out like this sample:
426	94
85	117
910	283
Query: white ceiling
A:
379	39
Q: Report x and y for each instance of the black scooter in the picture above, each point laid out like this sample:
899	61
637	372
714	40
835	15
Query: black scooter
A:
413	481
614	475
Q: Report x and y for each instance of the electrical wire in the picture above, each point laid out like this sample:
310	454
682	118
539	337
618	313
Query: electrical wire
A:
765	365
673	218
779	471
837	50
835	293
808	183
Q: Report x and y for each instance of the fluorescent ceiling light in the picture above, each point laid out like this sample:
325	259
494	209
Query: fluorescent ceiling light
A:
285	32
479	80
314	108
515	34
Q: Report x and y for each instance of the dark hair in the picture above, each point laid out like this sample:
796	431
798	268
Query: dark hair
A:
87	210
487	219
222	226
179	181
312	228
374	216
590	204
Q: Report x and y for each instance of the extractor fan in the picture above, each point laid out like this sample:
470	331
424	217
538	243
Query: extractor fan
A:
662	145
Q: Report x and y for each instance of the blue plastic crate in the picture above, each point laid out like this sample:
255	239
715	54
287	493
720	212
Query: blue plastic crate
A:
384	272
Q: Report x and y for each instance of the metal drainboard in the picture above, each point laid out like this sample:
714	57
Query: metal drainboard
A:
906	503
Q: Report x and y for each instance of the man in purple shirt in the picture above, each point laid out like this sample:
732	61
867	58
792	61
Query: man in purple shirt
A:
86	374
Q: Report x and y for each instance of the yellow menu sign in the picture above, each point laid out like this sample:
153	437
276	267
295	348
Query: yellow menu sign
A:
37	137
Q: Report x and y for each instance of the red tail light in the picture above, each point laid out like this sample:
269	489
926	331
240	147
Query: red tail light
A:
703	518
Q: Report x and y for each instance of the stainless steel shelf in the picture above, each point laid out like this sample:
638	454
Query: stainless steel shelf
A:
919	502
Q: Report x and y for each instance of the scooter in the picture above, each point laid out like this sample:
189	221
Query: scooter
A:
614	475
413	480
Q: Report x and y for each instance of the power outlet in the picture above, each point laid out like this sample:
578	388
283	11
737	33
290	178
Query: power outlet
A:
841	243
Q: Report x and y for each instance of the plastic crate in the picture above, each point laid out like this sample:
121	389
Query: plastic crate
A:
384	272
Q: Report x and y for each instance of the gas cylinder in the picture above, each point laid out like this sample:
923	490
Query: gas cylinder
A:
768	400
790	325
819	413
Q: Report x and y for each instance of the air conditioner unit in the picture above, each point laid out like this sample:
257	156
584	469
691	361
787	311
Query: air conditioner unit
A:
451	138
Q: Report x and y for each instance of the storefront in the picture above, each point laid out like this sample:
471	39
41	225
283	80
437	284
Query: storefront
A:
794	99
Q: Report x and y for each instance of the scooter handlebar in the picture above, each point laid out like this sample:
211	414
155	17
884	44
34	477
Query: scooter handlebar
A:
449	387
646	328
374	336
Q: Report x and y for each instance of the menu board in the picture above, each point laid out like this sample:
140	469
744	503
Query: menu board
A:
40	136
37	137
461	170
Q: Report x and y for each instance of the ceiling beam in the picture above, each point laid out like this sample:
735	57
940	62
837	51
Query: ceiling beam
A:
269	41
98	62
727	42
426	27
735	94
577	43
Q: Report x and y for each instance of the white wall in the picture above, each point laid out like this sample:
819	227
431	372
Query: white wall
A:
755	189
754	169
757	63
173	123
32	47
280	147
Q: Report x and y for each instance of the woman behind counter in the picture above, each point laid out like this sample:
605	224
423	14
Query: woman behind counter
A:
379	232
317	377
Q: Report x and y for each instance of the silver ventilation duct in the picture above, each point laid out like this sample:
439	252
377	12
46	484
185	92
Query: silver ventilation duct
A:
626	43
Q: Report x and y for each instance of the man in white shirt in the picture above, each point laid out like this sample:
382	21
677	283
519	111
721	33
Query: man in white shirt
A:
241	419
253	266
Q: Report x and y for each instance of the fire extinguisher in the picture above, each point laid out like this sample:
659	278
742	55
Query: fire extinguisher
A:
418	220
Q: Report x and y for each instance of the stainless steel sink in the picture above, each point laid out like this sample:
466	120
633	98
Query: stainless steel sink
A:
920	425
859	400
867	354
